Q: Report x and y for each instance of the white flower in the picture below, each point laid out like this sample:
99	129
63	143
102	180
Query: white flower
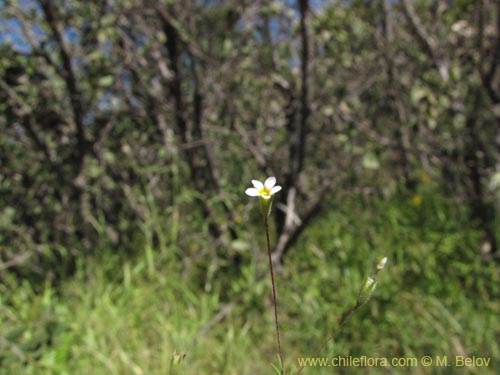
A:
264	190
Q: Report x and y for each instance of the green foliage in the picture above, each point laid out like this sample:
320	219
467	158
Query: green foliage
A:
129	130
128	316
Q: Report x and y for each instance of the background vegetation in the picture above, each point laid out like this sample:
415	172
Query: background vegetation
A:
129	130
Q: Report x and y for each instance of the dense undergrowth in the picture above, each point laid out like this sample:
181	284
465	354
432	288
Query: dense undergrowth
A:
115	315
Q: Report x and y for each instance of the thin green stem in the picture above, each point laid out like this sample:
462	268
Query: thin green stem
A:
275	300
342	321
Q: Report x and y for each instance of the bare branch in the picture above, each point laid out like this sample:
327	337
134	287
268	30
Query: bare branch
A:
37	49
24	113
69	76
259	156
426	41
292	229
487	77
304	95
191	46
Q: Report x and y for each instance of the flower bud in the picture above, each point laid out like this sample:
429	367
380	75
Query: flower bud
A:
382	264
366	290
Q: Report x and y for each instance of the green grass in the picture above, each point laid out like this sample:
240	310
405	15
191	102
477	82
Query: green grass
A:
121	316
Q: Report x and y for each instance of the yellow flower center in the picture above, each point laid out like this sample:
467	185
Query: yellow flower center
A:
265	192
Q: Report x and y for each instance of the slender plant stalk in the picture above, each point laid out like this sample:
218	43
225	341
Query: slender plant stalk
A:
274	291
342	321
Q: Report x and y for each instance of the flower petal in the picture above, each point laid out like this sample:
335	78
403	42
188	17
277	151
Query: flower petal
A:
257	184
252	192
266	197
270	182
275	189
